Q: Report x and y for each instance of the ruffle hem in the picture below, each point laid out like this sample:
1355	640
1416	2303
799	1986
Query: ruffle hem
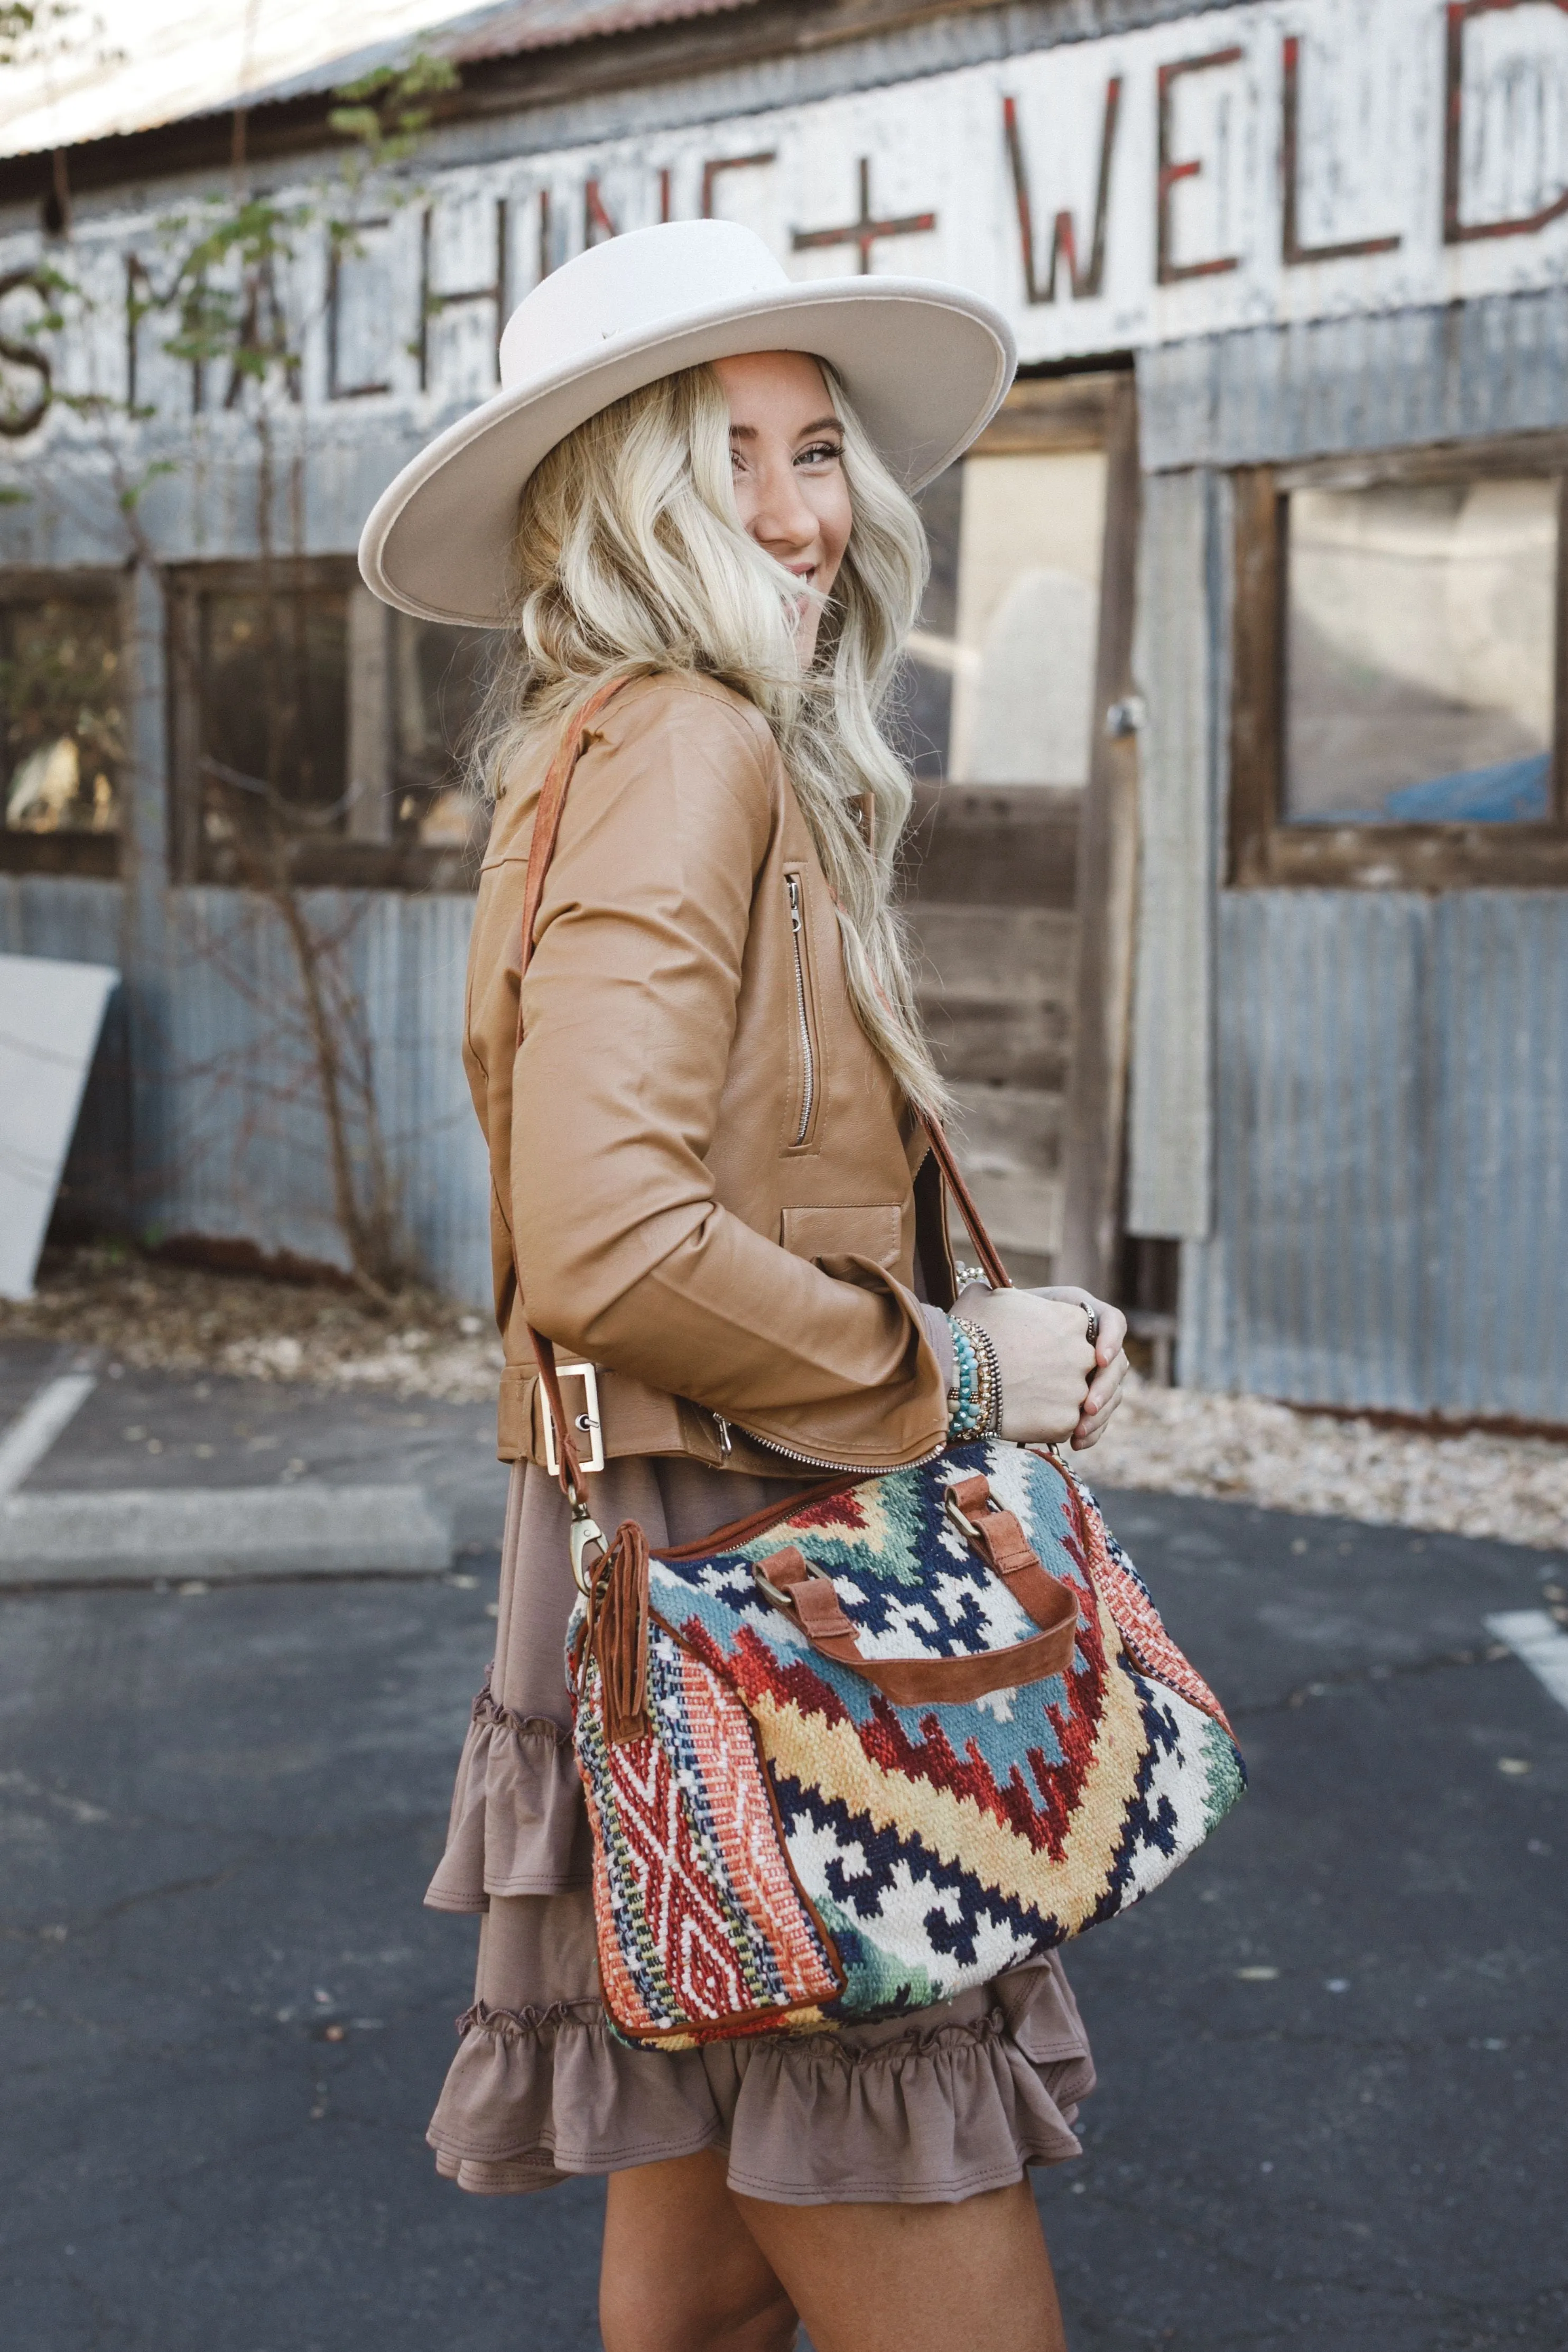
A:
917	2110
518	1823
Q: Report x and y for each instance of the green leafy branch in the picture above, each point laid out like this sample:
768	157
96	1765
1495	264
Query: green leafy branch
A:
225	291
386	113
225	264
33	31
24	30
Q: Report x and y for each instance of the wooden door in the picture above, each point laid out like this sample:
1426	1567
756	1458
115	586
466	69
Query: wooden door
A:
1019	881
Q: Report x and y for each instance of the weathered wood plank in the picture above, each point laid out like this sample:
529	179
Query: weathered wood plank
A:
1107	889
1023	1216
990	884
977	845
1010	1126
1009	1140
1171	1109
997	992
1063	412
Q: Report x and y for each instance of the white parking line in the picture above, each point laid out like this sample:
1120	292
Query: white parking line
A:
35	1428
1536	1642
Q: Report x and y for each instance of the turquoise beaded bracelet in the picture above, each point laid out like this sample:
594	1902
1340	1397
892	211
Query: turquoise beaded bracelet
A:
974	1398
966	1411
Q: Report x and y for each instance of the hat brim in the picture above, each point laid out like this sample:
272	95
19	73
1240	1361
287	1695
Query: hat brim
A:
925	365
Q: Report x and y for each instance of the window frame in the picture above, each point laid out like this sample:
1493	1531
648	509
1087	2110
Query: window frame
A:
1265	851
96	857
339	861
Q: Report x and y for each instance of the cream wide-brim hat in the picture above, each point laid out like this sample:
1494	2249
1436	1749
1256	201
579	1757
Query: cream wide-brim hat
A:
924	365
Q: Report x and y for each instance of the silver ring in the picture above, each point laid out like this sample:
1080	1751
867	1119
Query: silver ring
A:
1093	1332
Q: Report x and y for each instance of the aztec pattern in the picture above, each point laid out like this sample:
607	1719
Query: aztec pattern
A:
705	1920
788	1849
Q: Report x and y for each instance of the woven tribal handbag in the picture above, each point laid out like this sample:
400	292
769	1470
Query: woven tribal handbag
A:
865	1750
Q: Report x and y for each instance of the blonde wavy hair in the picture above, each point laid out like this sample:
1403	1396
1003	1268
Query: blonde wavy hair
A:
631	556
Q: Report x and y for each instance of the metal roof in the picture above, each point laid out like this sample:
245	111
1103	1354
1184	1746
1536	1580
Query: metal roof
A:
519	25
151	62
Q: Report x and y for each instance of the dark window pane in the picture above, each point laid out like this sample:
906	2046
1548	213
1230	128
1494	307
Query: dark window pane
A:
1419	664
275	711
63	724
439	678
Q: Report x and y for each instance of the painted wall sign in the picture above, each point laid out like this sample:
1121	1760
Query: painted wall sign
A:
1287	161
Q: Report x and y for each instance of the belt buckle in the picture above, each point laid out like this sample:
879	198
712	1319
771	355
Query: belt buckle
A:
588	1420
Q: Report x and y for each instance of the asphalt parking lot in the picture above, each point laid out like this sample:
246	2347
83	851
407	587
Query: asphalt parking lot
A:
1331	2111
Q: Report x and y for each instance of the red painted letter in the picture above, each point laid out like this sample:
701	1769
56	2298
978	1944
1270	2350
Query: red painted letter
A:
1170	272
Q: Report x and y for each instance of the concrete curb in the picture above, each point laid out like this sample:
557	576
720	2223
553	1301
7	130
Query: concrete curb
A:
128	1536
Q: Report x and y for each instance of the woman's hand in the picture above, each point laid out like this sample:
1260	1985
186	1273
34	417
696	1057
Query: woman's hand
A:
1043	1356
1055	1385
1110	1364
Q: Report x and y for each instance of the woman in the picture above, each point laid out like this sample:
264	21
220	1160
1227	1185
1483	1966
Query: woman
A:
709	1187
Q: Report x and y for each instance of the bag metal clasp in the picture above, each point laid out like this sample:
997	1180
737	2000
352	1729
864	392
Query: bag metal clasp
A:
787	1596
771	1591
584	1531
959	1519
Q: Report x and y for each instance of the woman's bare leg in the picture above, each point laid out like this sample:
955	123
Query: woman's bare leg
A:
681	2271
689	2266
915	2278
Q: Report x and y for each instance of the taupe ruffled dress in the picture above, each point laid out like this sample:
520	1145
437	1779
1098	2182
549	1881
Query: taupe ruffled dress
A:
912	2111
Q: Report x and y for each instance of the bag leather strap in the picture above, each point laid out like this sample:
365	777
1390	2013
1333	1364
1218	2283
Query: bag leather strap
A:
541	849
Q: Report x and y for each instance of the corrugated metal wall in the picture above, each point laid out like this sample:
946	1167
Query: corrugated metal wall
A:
1386	1223
1382	381
1391	1222
238	1148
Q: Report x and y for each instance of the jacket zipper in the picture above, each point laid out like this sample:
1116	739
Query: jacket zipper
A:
816	1461
809	1066
808	1058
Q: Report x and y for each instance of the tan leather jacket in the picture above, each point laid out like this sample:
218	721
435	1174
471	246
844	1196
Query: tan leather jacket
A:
706	1168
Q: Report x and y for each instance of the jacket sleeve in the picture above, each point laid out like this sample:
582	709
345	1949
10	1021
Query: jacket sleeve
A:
629	1013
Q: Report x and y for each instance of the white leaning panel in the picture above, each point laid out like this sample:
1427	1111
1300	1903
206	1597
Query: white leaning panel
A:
50	1016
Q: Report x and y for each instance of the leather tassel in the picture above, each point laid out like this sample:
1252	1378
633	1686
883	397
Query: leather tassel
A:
618	1634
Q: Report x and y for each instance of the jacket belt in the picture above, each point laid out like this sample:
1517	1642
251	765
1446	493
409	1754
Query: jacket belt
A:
633	1419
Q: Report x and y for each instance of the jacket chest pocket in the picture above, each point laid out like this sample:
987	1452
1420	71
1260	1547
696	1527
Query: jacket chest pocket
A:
806	1056
828	1234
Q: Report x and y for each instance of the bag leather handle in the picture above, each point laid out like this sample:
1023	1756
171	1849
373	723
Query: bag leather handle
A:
916	1681
541	849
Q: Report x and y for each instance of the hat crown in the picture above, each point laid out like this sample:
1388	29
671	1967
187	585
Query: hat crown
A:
631	286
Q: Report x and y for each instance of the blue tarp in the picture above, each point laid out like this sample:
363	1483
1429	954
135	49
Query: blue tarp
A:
1514	791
